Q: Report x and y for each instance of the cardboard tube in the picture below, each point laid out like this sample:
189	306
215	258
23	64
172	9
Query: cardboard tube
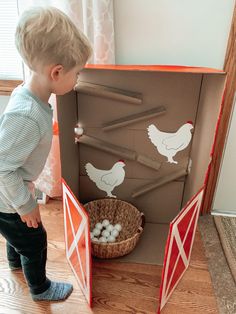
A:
148	162
107	147
117	150
134	118
108	92
164	180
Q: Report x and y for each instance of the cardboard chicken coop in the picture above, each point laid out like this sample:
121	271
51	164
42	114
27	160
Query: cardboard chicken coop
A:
161	121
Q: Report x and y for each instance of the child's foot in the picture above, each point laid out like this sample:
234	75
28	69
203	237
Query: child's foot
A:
56	292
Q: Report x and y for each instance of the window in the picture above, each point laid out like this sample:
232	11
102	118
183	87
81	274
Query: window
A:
11	66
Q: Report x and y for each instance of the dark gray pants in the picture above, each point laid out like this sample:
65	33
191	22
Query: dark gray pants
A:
26	247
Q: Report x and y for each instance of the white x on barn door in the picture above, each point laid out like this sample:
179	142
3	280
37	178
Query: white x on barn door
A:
77	237
179	246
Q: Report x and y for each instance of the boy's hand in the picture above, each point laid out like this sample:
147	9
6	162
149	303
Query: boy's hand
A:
33	218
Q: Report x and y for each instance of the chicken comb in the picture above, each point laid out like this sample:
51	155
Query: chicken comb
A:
190	122
121	160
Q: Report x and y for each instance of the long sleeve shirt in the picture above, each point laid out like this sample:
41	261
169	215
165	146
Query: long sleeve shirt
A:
25	141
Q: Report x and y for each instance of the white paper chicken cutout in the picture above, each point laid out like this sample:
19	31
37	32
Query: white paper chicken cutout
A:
107	180
169	144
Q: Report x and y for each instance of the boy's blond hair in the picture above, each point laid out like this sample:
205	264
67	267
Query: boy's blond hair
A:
45	35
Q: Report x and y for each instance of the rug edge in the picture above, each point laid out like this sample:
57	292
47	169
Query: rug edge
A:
226	246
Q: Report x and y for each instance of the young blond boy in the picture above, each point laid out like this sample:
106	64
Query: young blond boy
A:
55	51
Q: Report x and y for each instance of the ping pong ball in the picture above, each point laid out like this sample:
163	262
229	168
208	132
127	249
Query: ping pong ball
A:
118	227
96	232
115	233
105	222
98	226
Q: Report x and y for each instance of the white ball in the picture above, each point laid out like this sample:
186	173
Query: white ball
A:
96	232
95	239
115	233
98	226
105	233
78	130
111	239
109	228
118	227
105	222
91	235
102	239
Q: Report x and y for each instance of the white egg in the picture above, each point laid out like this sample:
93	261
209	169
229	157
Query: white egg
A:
91	235
105	222
96	232
115	233
111	239
109	228
118	227
105	233
102	239
95	239
98	226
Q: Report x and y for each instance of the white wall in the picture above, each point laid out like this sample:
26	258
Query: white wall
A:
225	195
178	32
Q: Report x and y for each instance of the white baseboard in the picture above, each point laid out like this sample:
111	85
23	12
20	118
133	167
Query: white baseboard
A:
223	213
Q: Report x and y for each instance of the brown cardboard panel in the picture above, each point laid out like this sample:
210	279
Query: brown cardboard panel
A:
67	118
159	206
95	111
150	248
208	112
177	92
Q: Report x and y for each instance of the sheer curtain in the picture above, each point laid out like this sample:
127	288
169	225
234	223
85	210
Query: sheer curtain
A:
95	19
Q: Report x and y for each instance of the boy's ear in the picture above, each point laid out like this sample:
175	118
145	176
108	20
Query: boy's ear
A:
56	72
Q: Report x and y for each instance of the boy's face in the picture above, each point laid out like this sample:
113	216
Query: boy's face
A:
66	81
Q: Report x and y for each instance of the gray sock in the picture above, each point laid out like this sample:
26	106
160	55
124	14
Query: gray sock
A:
56	292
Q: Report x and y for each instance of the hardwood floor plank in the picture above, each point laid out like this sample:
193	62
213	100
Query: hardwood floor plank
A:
118	288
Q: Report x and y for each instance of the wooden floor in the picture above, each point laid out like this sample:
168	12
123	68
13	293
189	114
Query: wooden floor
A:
117	287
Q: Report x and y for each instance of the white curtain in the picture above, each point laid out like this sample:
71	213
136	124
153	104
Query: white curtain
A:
93	17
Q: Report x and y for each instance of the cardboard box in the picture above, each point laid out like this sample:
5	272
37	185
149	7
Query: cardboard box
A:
115	105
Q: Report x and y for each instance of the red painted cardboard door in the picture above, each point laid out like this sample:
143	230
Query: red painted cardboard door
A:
77	236
178	247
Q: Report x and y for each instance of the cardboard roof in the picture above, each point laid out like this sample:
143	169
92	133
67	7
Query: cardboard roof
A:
155	68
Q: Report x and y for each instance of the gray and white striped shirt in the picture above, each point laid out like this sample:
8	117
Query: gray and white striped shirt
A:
25	141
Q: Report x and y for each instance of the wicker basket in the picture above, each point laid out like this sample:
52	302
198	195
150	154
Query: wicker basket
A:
116	211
